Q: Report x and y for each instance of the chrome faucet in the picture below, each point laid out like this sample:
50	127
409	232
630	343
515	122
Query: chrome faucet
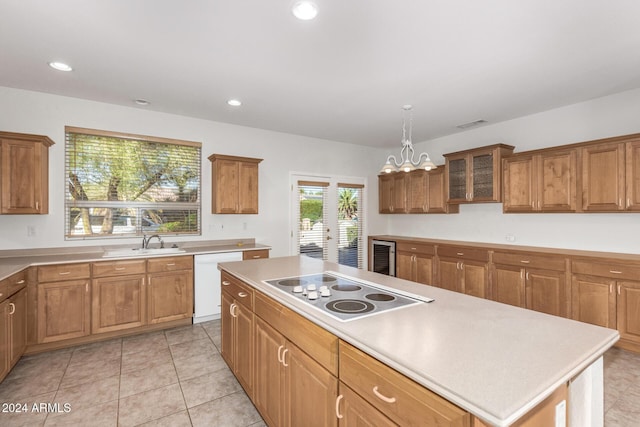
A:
146	240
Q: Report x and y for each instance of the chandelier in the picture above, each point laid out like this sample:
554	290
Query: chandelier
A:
407	162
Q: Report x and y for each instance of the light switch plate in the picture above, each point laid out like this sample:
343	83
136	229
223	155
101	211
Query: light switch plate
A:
561	414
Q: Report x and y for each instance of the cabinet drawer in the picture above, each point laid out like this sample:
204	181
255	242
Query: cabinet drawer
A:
118	268
173	263
240	292
416	248
615	271
318	343
545	262
55	273
4	290
461	252
398	397
13	284
258	254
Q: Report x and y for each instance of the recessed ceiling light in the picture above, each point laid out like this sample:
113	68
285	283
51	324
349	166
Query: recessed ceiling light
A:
234	102
60	66
141	102
305	10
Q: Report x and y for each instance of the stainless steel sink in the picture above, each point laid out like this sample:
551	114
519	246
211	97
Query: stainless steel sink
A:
127	252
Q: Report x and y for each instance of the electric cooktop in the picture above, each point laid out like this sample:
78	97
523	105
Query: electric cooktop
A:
343	297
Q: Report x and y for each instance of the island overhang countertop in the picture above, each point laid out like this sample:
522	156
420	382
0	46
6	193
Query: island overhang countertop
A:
491	359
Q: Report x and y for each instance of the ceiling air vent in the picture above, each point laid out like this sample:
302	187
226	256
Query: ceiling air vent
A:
471	124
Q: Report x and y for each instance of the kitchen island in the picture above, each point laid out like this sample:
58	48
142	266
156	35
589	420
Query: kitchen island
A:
495	361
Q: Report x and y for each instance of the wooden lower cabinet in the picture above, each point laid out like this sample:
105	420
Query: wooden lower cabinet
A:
469	277
629	311
353	411
531	281
64	310
13	330
593	300
414	262
237	340
291	388
118	303
169	289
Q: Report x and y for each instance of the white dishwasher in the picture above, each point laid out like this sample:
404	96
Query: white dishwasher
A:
207	297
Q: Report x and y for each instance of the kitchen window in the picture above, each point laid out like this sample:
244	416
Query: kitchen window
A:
124	185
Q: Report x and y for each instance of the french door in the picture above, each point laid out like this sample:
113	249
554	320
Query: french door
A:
328	218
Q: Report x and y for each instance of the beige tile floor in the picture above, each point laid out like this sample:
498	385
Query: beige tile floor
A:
178	378
172	378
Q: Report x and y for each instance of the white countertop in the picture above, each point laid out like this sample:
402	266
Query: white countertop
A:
12	262
491	359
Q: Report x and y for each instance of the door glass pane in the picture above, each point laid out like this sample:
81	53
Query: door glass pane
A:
350	247
483	176
458	179
312	221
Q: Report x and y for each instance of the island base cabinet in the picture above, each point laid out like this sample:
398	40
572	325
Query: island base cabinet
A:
237	340
401	399
291	389
354	411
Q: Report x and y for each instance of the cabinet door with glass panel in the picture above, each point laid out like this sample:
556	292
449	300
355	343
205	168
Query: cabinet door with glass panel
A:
475	176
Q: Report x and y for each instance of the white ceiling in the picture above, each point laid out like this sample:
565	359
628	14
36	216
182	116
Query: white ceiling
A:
343	76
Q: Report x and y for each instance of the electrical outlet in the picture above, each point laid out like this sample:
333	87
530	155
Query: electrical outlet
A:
510	238
31	231
244	225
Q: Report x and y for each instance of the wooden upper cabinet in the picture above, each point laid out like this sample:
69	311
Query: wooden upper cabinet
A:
603	177
419	191
392	193
234	184
475	176
24	174
632	165
541	182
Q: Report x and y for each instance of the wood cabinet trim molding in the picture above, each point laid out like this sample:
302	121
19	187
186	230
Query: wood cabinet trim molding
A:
45	140
214	157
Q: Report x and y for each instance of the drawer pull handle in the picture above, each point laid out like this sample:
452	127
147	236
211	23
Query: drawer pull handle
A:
256	256
413	249
279	354
525	261
242	294
120	268
460	253
338	414
20	282
231	308
13	308
615	271
170	264
64	273
226	283
283	356
382	396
